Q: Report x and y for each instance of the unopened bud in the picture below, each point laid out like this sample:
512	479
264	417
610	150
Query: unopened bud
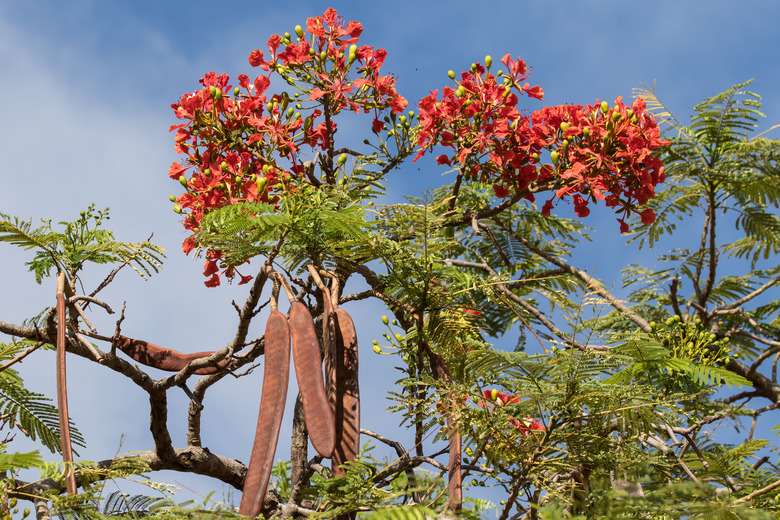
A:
451	74
488	61
299	31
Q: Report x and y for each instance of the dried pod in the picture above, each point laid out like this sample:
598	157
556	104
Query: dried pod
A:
455	486
347	402
329	351
276	375
308	371
167	359
62	388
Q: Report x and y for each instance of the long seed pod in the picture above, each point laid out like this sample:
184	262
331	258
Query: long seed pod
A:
276	375
347	403
329	350
308	371
455	485
62	388
162	358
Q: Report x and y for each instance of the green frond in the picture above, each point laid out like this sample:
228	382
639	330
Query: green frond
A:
32	413
415	512
14	461
78	243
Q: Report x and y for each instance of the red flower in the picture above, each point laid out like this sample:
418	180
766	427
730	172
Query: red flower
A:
256	59
444	159
647	216
176	170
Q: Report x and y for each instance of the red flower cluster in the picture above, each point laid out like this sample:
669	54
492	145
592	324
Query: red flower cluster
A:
525	425
248	146
597	152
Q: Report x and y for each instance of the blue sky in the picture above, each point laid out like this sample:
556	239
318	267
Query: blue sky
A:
86	92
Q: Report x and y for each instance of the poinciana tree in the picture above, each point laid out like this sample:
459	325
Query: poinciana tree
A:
608	417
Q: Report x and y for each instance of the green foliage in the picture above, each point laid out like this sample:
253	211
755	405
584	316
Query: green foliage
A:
80	242
27	411
717	162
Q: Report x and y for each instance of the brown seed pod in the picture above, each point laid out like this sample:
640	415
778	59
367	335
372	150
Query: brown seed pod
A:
167	359
347	402
276	375
308	371
455	486
329	350
62	388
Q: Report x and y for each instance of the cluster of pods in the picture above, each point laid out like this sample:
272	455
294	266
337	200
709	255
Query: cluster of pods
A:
331	401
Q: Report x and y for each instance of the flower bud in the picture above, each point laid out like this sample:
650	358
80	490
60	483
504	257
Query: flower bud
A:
554	156
451	74
224	165
177	208
342	159
604	107
213	90
398	337
586	131
385	320
261	183
564	126
488	61
377	349
299	31
172	198
183	180
493	394
615	116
